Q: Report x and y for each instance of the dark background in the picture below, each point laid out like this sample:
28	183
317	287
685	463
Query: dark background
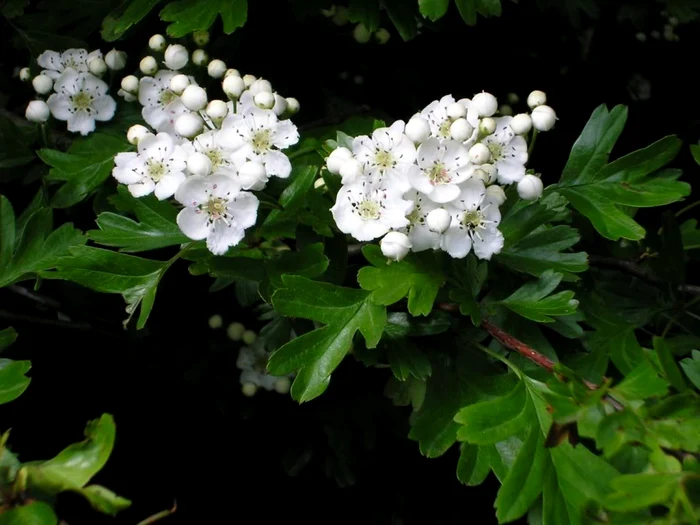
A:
184	431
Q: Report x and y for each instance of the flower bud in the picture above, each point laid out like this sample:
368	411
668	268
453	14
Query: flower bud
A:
329	12
319	184
490	172
506	110
282	385
249	79
260	86
361	34
25	74
130	84
234	331
280	106
479	154
217	110
215	321
513	98
351	170
200	57
536	98
136	133
252	175
201	38
521	124
97	66
178	83
382	36
543	118
233	86
495	194
341	16
157	43
42	84
199	164
487	126
530	188
292	105
439	220
337	158
264	100
249	389
128	97
194	97
115	60
417	129
231	71
37	111
249	337
461	130
148	65
395	246
485	104
456	110
216	68
188	125
176	57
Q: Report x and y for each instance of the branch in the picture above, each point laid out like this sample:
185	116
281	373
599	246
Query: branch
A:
159	516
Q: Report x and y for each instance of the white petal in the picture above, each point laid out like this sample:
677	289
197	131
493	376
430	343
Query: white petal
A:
244	208
93	85
193	191
194	223
277	163
428	153
123	171
222	236
60	106
423	239
223	186
491	242
68	83
166	186
473	192
50	60
443	193
509	171
456	156
419	181
149	92
285	134
81	122
405	152
456	242
142	188
104	107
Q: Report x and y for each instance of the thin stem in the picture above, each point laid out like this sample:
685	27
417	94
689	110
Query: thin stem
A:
532	142
159	516
498	356
301	152
687	208
177	256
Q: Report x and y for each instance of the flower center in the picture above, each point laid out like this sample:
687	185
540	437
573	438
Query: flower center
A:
444	129
369	210
71	63
473	219
216	208
261	141
156	170
82	101
438	174
167	96
215	156
496	151
384	159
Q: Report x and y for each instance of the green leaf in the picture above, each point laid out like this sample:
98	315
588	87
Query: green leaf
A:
7	337
401	324
121	19
690	234
433	9
31	249
669	367
467	10
104	500
407	359
638	491
35	513
622	347
474	464
13	380
309	262
532	300
105	271
489	7
315	355
417	276
84	167
15	145
13	8
691	367
188	16
525	479
365	12
156	226
402	15
641	383
695	151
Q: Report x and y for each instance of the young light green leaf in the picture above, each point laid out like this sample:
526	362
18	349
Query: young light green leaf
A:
668	364
7	337
314	355
188	16
622	347
104	500
639	491
13	380
690	234
690	365
641	383
532	300
418	276
406	359
474	464
84	167
365	12
433	9
124	17
35	513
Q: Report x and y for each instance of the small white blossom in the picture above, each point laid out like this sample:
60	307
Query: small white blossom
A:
280	107
418	129
292	105
439	220
55	64
25	74
395	245
419	233
530	188
461	130
249	79
200	57
148	65
438	119
179	83
176	57
116	60
97	66
194	97
130	84
188	125
252	175
217	110
337	158
37	111
161	106
536	98
260	85
233	86
543	118
219	147
81	99
216	68
199	164
351	171
42	84
157	43
264	100
136	133
487	126
484	104
521	124
441	167
508	152
252	361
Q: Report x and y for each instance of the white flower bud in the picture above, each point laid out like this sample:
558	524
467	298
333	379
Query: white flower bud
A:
200	57
25	74
461	130
456	110
530	188
232	71
148	65
417	129
97	66
157	43
201	38
543	118
249	79
337	158
199	164
382	36
115	60
485	104
249	389
178	83
234	331
490	172
280	105
351	170
176	57
481	175
521	123
513	98
395	245
361	34
194	97
217	110
292	105
128	97
264	100
439	220
216	68
479	154
495	194
233	86
249	337
319	184
282	385
130	84
252	175
136	133
42	84
37	111
188	125
487	126
536	98
215	321
260	86
466	102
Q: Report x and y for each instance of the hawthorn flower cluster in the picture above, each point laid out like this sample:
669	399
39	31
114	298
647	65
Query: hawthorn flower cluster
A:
436	182
252	361
210	155
72	81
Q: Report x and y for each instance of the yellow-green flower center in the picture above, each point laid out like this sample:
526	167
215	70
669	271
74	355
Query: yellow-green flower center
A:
167	97
82	101
444	130
215	157
438	174
261	141
472	219
496	150
156	170
368	210
384	159
216	207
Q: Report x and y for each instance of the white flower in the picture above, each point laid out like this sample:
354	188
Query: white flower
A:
161	106
543	118
475	219
42	84
157	43
484	104
461	130
439	220
157	167
337	158
438	119
441	167
252	175
389	154
81	99
233	86
116	60
97	66
37	111
148	65
260	85
418	128
456	110
188	125
280	106
487	126
55	63
217	110
395	245
265	100
479	154
252	361
419	233
130	84
216	68
136	133
194	97
178	83
530	188
495	194
260	136
521	123
536	98
351	171
176	57
508	152
199	164
218	146
200	57
216	210
249	79
25	74
369	210
292	105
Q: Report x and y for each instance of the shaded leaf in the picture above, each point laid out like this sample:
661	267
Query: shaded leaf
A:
691	367
668	364
121	19
188	16
13	380
433	9
533	300
35	513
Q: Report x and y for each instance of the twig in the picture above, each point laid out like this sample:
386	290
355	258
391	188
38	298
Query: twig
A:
41	299
156	517
4	314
